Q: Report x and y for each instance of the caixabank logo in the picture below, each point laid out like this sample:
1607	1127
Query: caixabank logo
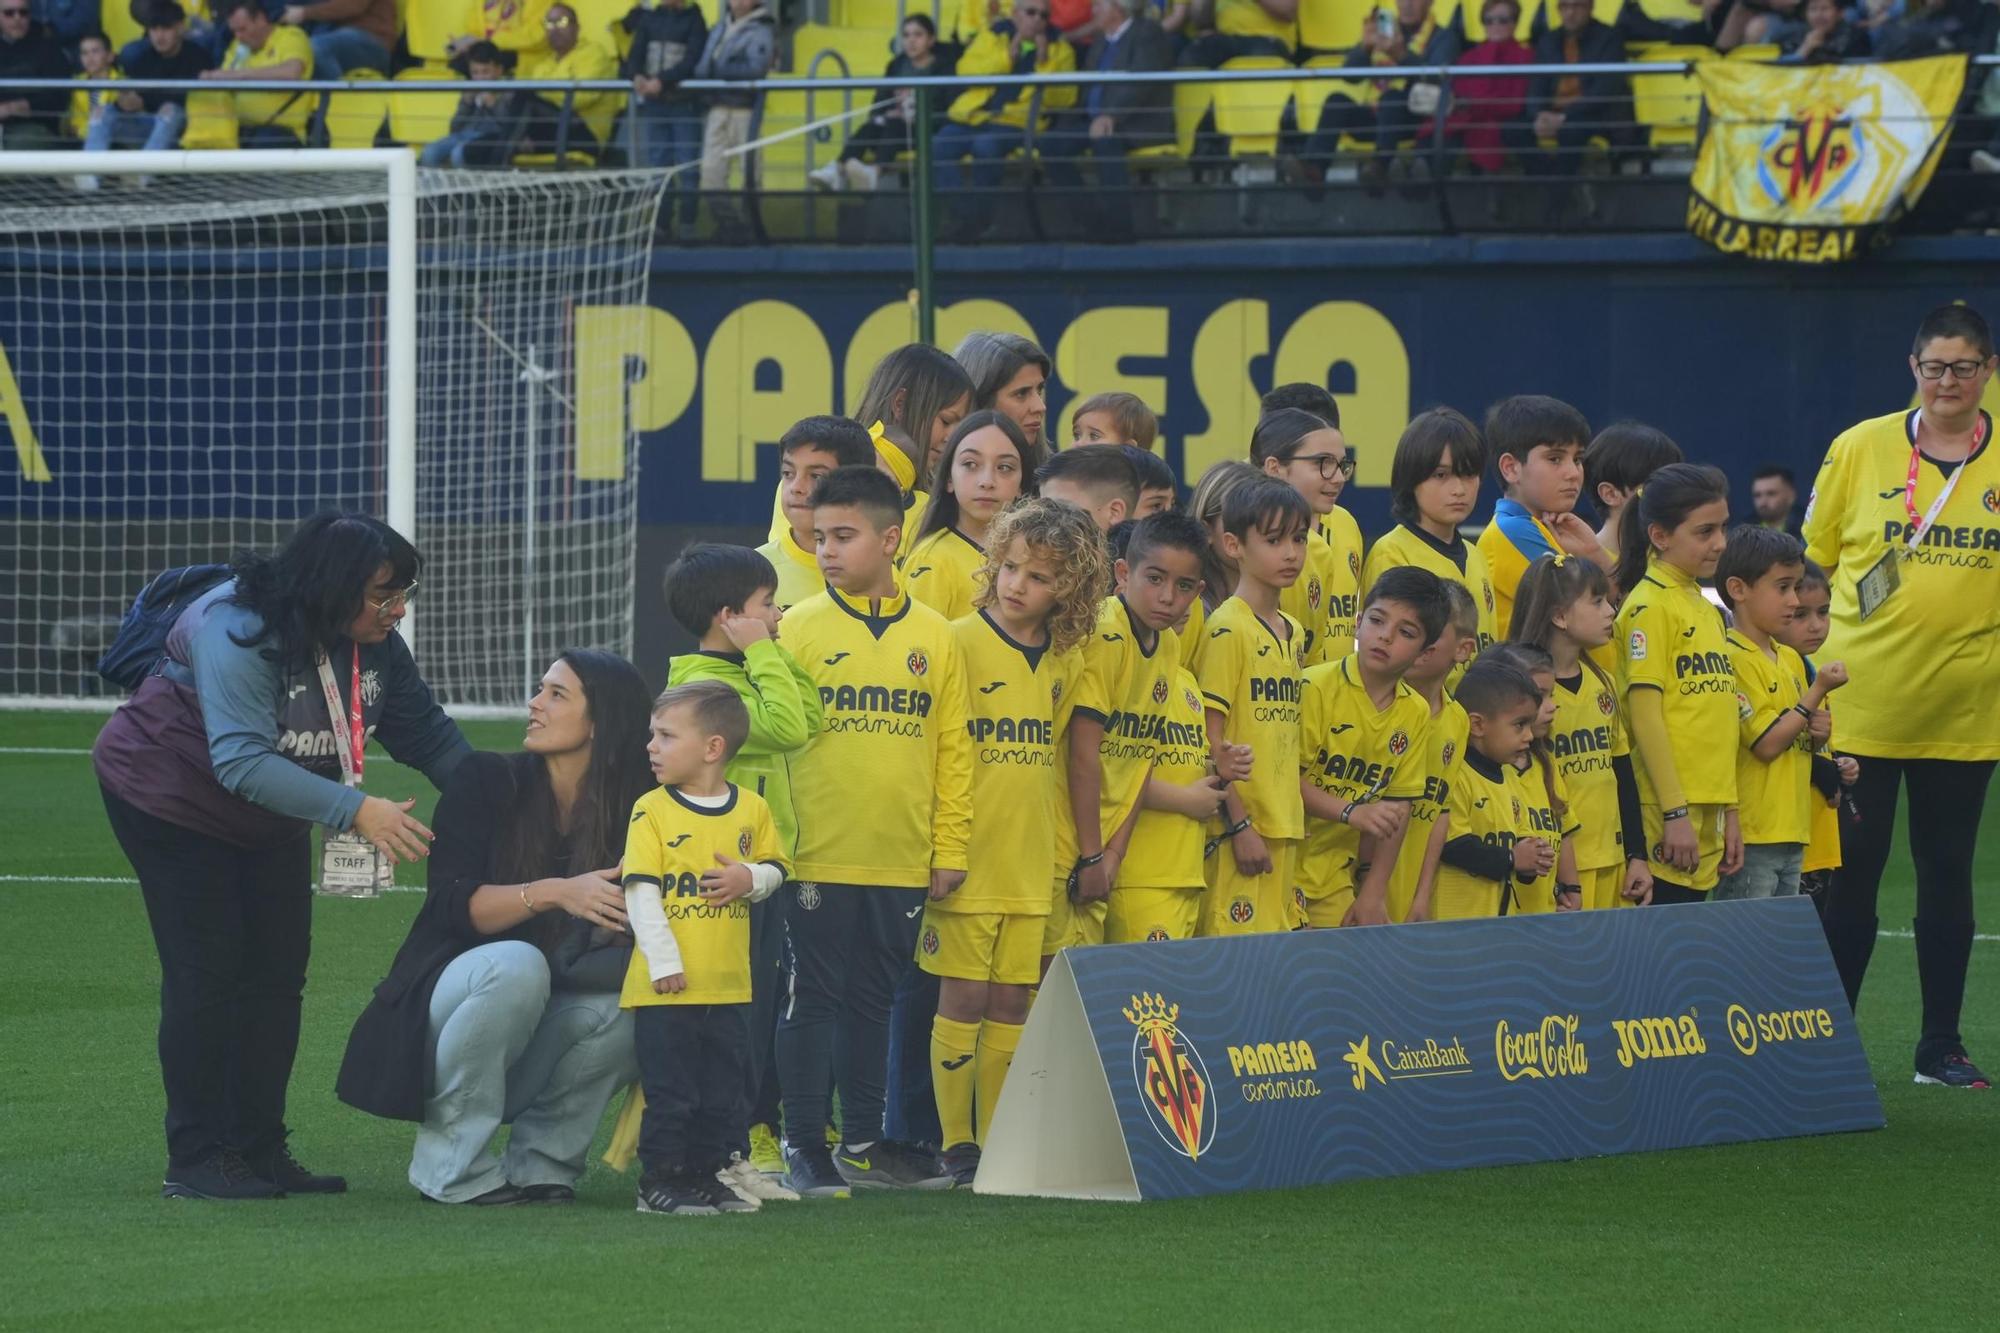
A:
1172	1080
1391	1060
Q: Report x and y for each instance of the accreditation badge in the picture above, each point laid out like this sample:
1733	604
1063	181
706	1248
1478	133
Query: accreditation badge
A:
1879	584
350	866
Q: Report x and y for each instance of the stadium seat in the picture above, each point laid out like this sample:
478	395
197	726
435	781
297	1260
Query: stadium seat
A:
211	121
866	50
1669	105
1248	114
116	19
880	15
1191	103
1332	25
1761	51
1672	11
353	119
417	119
1312	95
428	25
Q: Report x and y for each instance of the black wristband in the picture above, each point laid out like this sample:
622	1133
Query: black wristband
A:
1562	888
1085	862
1669	816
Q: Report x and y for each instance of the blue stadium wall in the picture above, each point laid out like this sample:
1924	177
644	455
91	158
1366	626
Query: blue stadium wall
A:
1741	363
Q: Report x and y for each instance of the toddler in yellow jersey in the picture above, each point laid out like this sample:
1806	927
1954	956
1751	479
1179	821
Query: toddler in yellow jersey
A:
1551	813
985	462
1250	685
1364	735
1038	597
813	447
1122	700
1564	608
1780	715
1310	456
1097	478
698	851
1537	444
1678	683
1833	773
1433	487
1492	852
1415	871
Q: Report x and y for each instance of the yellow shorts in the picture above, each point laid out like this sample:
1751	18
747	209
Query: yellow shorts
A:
1071	925
1239	904
1324	913
1461	897
1530	899
981	946
1603	887
1707	821
1152	914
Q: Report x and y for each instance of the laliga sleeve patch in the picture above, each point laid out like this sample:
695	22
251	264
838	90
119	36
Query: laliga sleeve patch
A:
1635	647
1743	708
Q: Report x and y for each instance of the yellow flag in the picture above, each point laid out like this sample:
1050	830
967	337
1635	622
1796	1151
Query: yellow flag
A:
1810	164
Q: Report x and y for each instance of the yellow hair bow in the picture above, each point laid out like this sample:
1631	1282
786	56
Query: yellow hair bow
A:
900	466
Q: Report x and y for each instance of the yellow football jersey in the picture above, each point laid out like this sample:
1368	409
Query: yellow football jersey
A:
941	572
798	570
1486	804
884	792
1357	752
1343	589
1543	822
671	843
1940	624
1252	675
1774	800
1128	688
1461	562
1305	600
1673	641
1193	633
1587	734
1444	751
1012	713
1166	847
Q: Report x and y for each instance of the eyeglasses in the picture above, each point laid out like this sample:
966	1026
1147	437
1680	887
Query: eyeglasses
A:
557	21
13	13
1964	370
1329	465
395	601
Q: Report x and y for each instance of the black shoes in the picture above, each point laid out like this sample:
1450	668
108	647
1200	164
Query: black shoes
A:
283	1170
1952	1070
887	1164
547	1194
500	1196
961	1163
675	1192
222	1174
809	1172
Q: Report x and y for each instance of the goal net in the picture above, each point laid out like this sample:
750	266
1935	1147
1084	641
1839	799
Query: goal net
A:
196	355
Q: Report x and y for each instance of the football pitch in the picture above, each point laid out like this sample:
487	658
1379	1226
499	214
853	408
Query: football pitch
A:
1865	1230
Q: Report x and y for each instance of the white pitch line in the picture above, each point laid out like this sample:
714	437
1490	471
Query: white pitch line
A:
42	749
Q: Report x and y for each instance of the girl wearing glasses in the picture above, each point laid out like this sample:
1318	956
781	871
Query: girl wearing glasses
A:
1906	516
1310	456
213	775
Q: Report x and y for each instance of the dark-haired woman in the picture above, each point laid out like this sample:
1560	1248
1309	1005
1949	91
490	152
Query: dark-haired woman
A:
502	1004
1902	518
213	775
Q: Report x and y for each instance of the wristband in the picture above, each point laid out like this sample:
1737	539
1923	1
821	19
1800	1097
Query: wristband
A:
1562	888
1236	828
1085	862
1669	816
526	901
1348	810
1803	712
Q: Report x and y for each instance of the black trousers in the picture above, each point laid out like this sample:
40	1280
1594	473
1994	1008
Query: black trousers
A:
233	928
692	1064
1946	799
846	946
767	983
882	138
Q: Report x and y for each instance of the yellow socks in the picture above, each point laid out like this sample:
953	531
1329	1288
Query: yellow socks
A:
953	1072
997	1042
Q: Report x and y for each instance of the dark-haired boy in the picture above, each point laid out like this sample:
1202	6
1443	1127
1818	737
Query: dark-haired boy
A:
808	451
1781	718
1250	685
1096	478
1415	874
1491	847
1123	696
1537	443
1363	737
722	595
893	693
1157	489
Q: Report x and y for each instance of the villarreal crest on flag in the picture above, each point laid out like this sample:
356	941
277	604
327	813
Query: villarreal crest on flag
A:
1812	164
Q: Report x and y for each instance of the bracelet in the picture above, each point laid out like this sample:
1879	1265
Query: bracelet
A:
526	901
1349	810
1236	828
1084	862
1562	888
1803	712
1669	816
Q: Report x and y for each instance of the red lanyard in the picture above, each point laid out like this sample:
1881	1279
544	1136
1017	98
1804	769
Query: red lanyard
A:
1921	525
356	728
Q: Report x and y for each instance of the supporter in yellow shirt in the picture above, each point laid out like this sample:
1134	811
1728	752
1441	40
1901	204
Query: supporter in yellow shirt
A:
983	467
987	124
571	57
808	451
265	51
1433	486
1310	456
93	55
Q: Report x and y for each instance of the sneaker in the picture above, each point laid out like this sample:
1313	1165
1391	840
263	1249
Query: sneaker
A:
547	1193
961	1163
753	1184
1952	1070
766	1154
500	1196
664	1192
862	176
832	1137
722	1194
1983	162
809	1172
886	1165
283	1170
223	1174
828	177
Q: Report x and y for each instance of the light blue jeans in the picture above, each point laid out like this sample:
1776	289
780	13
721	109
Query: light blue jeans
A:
338	51
1770	870
508	1051
155	131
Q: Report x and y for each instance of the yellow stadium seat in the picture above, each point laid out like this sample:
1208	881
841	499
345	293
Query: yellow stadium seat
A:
1332	25
1761	51
1672	11
1191	103
880	15
353	119
1669	105
1312	93
866	50
417	119
211	121
1248	114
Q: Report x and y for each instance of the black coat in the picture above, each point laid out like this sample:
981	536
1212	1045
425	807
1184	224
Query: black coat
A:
1604	97
387	1070
1144	112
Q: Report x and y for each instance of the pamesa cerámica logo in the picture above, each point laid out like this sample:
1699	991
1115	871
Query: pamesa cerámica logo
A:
1172	1080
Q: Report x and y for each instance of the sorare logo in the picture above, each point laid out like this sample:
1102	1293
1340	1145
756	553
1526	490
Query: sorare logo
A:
1171	1077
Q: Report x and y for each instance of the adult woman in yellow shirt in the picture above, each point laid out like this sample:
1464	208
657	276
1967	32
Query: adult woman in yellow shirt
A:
1903	517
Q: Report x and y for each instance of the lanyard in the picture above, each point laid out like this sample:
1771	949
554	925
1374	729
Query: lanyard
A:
1920	526
351	740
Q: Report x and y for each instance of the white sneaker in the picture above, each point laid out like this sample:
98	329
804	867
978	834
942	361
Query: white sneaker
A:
752	1184
1985	163
827	177
861	175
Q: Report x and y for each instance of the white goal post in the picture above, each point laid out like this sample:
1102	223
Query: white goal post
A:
197	349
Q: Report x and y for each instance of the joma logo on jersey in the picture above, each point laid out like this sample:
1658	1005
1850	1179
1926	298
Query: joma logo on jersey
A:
1671	1038
875	699
1552	1050
1012	730
1702	664
1172	1080
679	838
919	662
1274	689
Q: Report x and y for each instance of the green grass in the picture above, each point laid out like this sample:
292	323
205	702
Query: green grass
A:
1855	1230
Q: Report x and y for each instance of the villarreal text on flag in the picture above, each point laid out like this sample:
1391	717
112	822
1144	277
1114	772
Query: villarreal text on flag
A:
1813	164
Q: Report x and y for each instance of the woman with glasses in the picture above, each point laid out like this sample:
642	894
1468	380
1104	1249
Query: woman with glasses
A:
214	773
1905	516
